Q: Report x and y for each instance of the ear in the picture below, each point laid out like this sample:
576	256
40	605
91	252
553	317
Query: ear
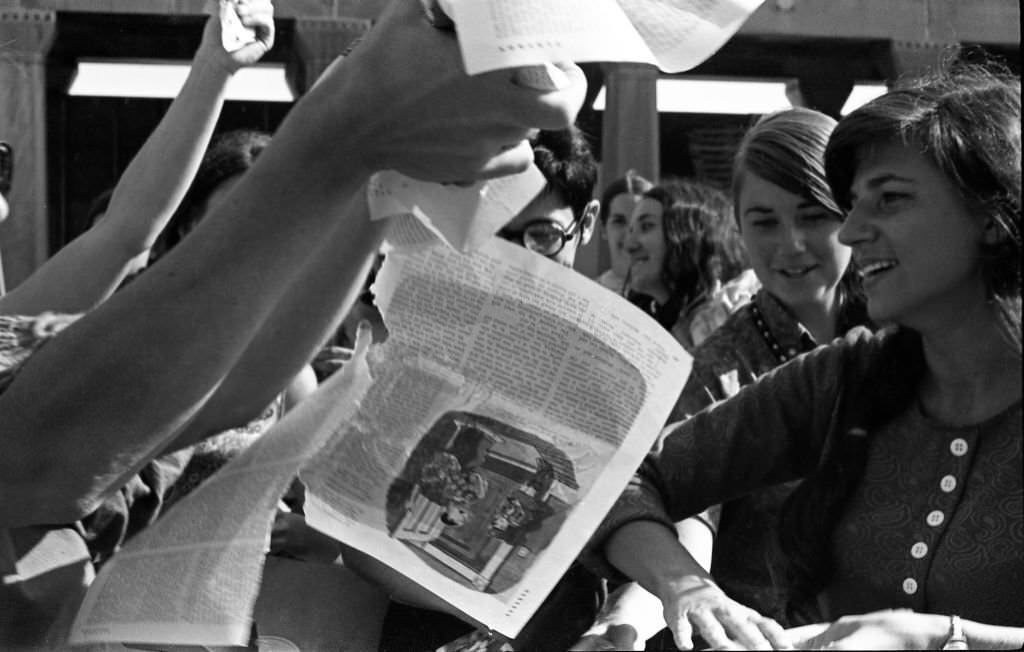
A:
588	220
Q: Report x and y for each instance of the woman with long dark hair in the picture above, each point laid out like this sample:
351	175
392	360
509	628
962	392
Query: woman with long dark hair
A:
908	530
687	267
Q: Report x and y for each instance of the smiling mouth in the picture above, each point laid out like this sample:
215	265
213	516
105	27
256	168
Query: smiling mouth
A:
795	272
872	270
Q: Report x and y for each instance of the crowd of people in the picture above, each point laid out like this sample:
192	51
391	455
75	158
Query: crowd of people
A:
842	469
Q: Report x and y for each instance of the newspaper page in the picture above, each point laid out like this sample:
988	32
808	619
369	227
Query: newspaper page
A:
511	403
674	35
193	577
463	216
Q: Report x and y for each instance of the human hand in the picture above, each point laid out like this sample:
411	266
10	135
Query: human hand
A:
257	15
891	629
613	637
697	604
292	537
405	91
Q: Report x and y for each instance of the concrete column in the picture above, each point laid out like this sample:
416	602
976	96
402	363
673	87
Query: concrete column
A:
318	41
26	35
629	140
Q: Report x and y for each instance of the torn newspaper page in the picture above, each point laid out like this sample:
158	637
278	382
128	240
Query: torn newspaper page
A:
512	402
537	36
462	216
674	35
192	577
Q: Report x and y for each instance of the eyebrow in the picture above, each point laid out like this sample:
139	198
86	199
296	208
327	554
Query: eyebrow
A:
874	182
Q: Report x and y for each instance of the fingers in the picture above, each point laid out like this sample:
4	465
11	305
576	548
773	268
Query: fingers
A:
258	15
682	632
775	634
709	627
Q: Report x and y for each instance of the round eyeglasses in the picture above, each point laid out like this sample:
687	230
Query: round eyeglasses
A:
542	235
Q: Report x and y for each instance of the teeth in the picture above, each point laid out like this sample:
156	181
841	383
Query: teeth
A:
874	268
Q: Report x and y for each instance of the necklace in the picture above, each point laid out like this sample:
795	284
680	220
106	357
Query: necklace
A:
773	344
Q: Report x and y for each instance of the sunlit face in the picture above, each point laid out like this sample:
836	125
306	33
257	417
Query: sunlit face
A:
915	241
647	249
792	242
615	227
4	208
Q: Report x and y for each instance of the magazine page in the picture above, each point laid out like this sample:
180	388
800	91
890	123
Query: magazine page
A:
675	35
511	403
193	577
534	32
683	33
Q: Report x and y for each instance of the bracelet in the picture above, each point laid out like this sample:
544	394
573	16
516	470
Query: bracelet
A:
956	640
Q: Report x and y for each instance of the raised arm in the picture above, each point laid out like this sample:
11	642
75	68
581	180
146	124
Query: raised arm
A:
115	387
87	270
310	310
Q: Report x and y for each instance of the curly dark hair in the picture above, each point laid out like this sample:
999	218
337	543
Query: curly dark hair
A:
702	242
229	154
567	162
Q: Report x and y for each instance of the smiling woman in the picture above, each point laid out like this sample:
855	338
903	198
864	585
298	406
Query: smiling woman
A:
687	264
907	531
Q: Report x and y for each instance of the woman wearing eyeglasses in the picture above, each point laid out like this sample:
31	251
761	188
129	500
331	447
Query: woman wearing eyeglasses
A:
688	269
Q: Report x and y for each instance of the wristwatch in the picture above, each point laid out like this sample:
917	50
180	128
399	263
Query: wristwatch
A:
956	640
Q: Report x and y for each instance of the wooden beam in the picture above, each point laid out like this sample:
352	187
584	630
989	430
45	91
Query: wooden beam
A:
923	21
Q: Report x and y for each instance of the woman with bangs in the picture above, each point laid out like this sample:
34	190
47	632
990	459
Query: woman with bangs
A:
789	225
907	531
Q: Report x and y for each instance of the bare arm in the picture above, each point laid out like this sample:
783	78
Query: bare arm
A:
89	269
117	385
691	600
310	310
903	629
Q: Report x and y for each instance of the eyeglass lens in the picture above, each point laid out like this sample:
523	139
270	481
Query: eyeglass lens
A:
6	167
544	238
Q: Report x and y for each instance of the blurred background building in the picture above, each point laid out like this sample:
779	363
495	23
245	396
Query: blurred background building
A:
75	111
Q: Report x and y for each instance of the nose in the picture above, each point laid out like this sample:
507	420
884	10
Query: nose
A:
855	227
794	240
630	241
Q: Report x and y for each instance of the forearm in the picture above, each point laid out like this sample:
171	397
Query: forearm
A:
107	408
650	553
160	174
90	268
300	323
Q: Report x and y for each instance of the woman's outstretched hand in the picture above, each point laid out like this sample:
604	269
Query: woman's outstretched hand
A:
696	605
891	629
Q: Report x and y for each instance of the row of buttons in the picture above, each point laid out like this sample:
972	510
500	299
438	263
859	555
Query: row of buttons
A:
935	518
